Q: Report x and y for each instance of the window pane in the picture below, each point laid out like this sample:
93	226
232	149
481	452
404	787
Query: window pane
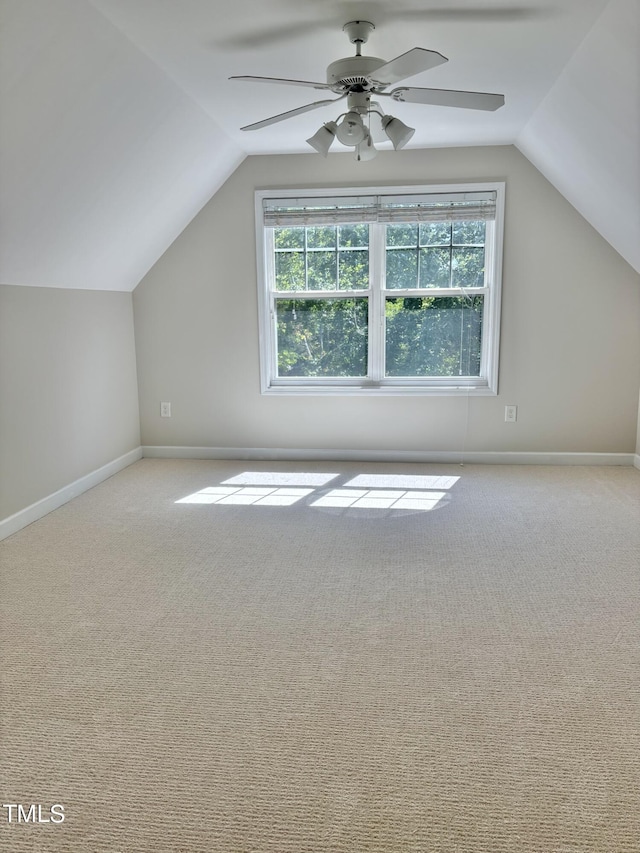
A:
321	270
290	271
353	270
289	238
468	233
435	233
467	267
402	268
322	337
433	336
435	267
321	236
353	235
402	235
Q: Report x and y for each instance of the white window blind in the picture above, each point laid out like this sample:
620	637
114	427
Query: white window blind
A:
436	207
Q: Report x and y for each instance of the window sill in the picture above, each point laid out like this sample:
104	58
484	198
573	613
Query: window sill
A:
380	391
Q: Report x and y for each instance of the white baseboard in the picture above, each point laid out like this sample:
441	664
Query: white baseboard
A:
444	456
43	507
37	510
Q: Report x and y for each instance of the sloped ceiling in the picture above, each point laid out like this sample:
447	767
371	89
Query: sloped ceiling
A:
585	135
119	121
515	47
103	158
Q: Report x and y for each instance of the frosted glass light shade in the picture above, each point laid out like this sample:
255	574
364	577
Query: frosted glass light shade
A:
366	150
397	131
351	131
322	139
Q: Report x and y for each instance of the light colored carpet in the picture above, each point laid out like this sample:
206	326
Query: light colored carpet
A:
311	677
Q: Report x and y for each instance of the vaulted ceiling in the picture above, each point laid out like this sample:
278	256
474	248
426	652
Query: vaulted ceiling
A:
119	121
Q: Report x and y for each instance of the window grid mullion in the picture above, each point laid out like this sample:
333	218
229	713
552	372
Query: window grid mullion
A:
273	325
376	277
487	313
306	261
436	292
451	260
320	294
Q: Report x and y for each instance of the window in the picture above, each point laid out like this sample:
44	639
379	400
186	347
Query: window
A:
387	291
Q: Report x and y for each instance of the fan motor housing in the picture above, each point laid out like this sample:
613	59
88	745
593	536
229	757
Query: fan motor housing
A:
353	71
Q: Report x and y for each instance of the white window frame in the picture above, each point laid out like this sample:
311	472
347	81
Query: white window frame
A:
375	383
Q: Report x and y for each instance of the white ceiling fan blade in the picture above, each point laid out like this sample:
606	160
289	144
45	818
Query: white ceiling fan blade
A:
382	13
283	80
502	14
274	36
448	98
290	114
407	64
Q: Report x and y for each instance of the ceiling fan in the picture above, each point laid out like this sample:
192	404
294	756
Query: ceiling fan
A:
360	78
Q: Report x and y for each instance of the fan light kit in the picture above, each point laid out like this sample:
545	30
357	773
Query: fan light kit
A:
358	78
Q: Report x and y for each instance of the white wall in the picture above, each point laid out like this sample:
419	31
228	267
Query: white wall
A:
584	135
638	436
570	344
103	158
68	393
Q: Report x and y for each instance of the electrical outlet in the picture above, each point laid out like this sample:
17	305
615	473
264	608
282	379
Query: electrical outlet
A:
165	410
511	414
